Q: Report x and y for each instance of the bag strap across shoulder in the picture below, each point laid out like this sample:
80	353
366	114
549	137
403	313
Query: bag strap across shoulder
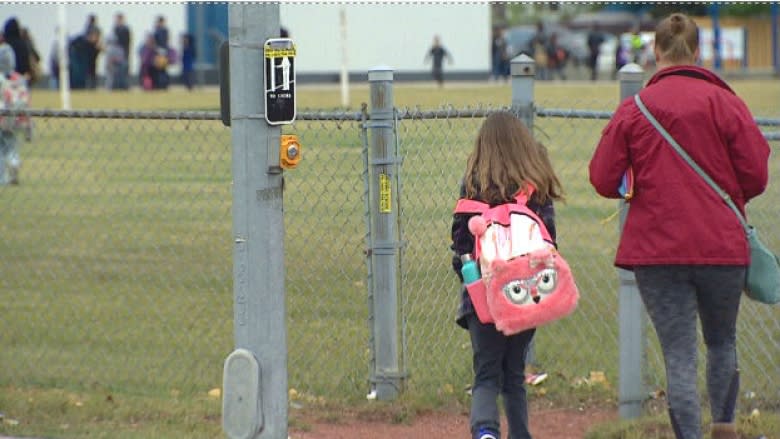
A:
676	146
466	205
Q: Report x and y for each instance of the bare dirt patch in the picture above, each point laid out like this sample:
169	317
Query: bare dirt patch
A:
545	424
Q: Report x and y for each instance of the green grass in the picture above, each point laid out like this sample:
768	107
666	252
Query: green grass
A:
116	264
657	426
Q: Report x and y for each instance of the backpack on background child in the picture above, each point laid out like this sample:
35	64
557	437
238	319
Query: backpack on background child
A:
525	282
15	95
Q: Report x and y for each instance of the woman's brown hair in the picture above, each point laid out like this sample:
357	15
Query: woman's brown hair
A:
505	159
677	38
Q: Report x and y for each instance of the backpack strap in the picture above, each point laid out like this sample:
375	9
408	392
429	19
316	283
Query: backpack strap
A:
522	196
465	205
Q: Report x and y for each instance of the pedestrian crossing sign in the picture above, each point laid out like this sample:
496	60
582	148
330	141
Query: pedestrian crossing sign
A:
279	54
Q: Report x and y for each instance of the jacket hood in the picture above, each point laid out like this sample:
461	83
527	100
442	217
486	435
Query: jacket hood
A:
693	71
11	29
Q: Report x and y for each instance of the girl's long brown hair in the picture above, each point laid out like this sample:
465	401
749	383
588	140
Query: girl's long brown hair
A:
505	159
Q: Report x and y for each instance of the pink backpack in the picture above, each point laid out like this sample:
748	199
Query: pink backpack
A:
525	282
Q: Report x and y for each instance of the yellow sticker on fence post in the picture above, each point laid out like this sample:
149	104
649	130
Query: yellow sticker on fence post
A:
385	205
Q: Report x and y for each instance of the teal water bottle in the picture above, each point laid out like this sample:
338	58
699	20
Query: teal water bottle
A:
469	270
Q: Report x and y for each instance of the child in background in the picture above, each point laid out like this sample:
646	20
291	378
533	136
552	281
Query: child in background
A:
9	141
187	61
506	159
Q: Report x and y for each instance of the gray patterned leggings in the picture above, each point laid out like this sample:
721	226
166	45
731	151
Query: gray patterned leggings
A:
673	296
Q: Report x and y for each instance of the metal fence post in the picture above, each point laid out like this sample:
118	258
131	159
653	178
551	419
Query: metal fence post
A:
386	376
631	315
774	13
255	374
523	70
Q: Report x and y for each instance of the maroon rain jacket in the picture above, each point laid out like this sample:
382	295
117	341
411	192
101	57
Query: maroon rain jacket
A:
674	217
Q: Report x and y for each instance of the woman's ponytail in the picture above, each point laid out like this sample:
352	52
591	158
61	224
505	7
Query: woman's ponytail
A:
677	38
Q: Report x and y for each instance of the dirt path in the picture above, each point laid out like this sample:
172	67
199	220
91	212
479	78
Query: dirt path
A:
545	424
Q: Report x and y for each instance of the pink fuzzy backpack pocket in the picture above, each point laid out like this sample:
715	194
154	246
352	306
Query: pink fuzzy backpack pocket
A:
525	282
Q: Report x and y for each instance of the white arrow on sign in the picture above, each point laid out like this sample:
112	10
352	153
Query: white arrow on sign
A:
286	73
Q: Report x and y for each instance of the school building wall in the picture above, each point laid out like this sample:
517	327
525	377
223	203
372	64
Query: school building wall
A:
758	42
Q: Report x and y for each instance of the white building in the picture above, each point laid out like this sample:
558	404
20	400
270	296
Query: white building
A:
392	34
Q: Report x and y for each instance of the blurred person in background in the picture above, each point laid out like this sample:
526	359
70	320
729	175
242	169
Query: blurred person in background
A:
538	47
499	49
116	65
54	62
12	33
146	54
595	40
23	58
437	53
161	32
188	61
684	244
163	56
82	51
124	36
91	24
557	57
9	125
623	54
94	39
35	57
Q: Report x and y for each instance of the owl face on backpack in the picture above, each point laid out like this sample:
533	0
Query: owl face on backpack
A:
530	290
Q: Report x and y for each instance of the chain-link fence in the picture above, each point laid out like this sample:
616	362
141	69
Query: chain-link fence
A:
116	263
574	351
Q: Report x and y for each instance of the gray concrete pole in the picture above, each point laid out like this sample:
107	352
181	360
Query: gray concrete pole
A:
631	315
523	71
384	242
255	377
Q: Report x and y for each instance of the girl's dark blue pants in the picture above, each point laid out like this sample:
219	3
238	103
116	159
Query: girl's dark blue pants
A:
499	368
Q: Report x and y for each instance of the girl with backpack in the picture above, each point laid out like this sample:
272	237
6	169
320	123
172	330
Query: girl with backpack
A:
506	159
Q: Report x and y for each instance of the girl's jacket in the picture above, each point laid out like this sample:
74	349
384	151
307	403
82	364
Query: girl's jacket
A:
674	217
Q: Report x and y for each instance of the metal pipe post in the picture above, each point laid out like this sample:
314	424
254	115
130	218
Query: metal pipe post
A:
717	57
632	319
523	71
63	57
200	41
775	20
386	379
255	376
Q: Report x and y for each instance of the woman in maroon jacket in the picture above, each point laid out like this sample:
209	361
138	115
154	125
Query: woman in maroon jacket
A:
686	247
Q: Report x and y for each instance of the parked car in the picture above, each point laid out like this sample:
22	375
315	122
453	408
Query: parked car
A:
574	42
519	39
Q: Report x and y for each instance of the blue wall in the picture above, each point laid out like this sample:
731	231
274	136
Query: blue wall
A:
214	19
